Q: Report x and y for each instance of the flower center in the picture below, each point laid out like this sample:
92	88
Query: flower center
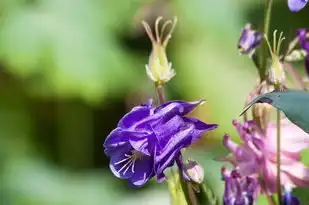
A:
129	161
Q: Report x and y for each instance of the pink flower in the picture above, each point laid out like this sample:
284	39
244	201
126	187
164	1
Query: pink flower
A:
256	155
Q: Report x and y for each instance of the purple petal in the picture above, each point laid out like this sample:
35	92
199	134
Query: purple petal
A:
135	116
142	141
296	5
166	155
200	128
177	107
120	164
302	33
249	40
143	171
114	140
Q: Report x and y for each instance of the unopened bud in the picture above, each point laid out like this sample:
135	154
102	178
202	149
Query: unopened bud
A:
276	74
159	69
249	40
194	171
296	55
261	111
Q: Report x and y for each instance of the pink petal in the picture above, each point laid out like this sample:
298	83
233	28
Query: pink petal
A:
293	139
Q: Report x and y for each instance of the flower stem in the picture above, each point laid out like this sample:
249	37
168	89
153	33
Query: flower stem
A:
278	157
263	54
270	199
160	93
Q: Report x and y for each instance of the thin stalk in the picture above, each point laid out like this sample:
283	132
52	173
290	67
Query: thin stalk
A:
263	54
160	94
270	199
278	157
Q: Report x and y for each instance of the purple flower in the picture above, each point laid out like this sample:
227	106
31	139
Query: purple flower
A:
297	5
239	190
148	140
249	40
304	44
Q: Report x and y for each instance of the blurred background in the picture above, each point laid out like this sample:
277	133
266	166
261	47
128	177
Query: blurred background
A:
70	69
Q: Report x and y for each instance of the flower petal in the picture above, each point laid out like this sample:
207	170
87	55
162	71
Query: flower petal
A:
120	164
167	151
296	5
143	171
114	140
142	141
135	116
293	139
177	107
200	127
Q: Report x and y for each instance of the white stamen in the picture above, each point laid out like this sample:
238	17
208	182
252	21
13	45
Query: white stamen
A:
130	161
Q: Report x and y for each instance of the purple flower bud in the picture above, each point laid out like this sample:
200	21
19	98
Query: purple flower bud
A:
238	190
297	5
194	171
249	40
148	140
304	44
289	198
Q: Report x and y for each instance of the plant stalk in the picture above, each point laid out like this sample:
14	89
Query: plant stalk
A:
279	158
263	53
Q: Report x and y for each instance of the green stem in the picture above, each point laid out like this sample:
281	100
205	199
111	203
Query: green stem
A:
160	93
263	54
270	198
278	157
185	189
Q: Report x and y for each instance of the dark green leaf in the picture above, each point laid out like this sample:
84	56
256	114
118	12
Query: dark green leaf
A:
294	104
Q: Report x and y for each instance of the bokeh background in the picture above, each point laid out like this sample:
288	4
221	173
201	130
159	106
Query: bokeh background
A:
69	69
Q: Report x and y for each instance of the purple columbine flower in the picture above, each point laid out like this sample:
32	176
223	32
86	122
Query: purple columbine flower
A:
148	140
304	44
249	40
239	190
297	5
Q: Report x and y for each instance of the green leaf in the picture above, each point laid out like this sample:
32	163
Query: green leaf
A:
294	104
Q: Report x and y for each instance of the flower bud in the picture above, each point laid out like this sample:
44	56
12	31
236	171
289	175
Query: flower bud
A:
289	198
261	111
194	171
276	74
296	55
159	69
249	40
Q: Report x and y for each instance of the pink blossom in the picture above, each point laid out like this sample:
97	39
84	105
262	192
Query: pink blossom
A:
256	155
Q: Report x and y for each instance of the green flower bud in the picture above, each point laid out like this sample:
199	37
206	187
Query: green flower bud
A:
296	55
159	69
276	74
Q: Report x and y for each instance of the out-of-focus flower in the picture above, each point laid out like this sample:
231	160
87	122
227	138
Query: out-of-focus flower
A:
302	35
256	155
297	5
194	171
249	40
276	74
148	140
159	69
289	198
239	190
